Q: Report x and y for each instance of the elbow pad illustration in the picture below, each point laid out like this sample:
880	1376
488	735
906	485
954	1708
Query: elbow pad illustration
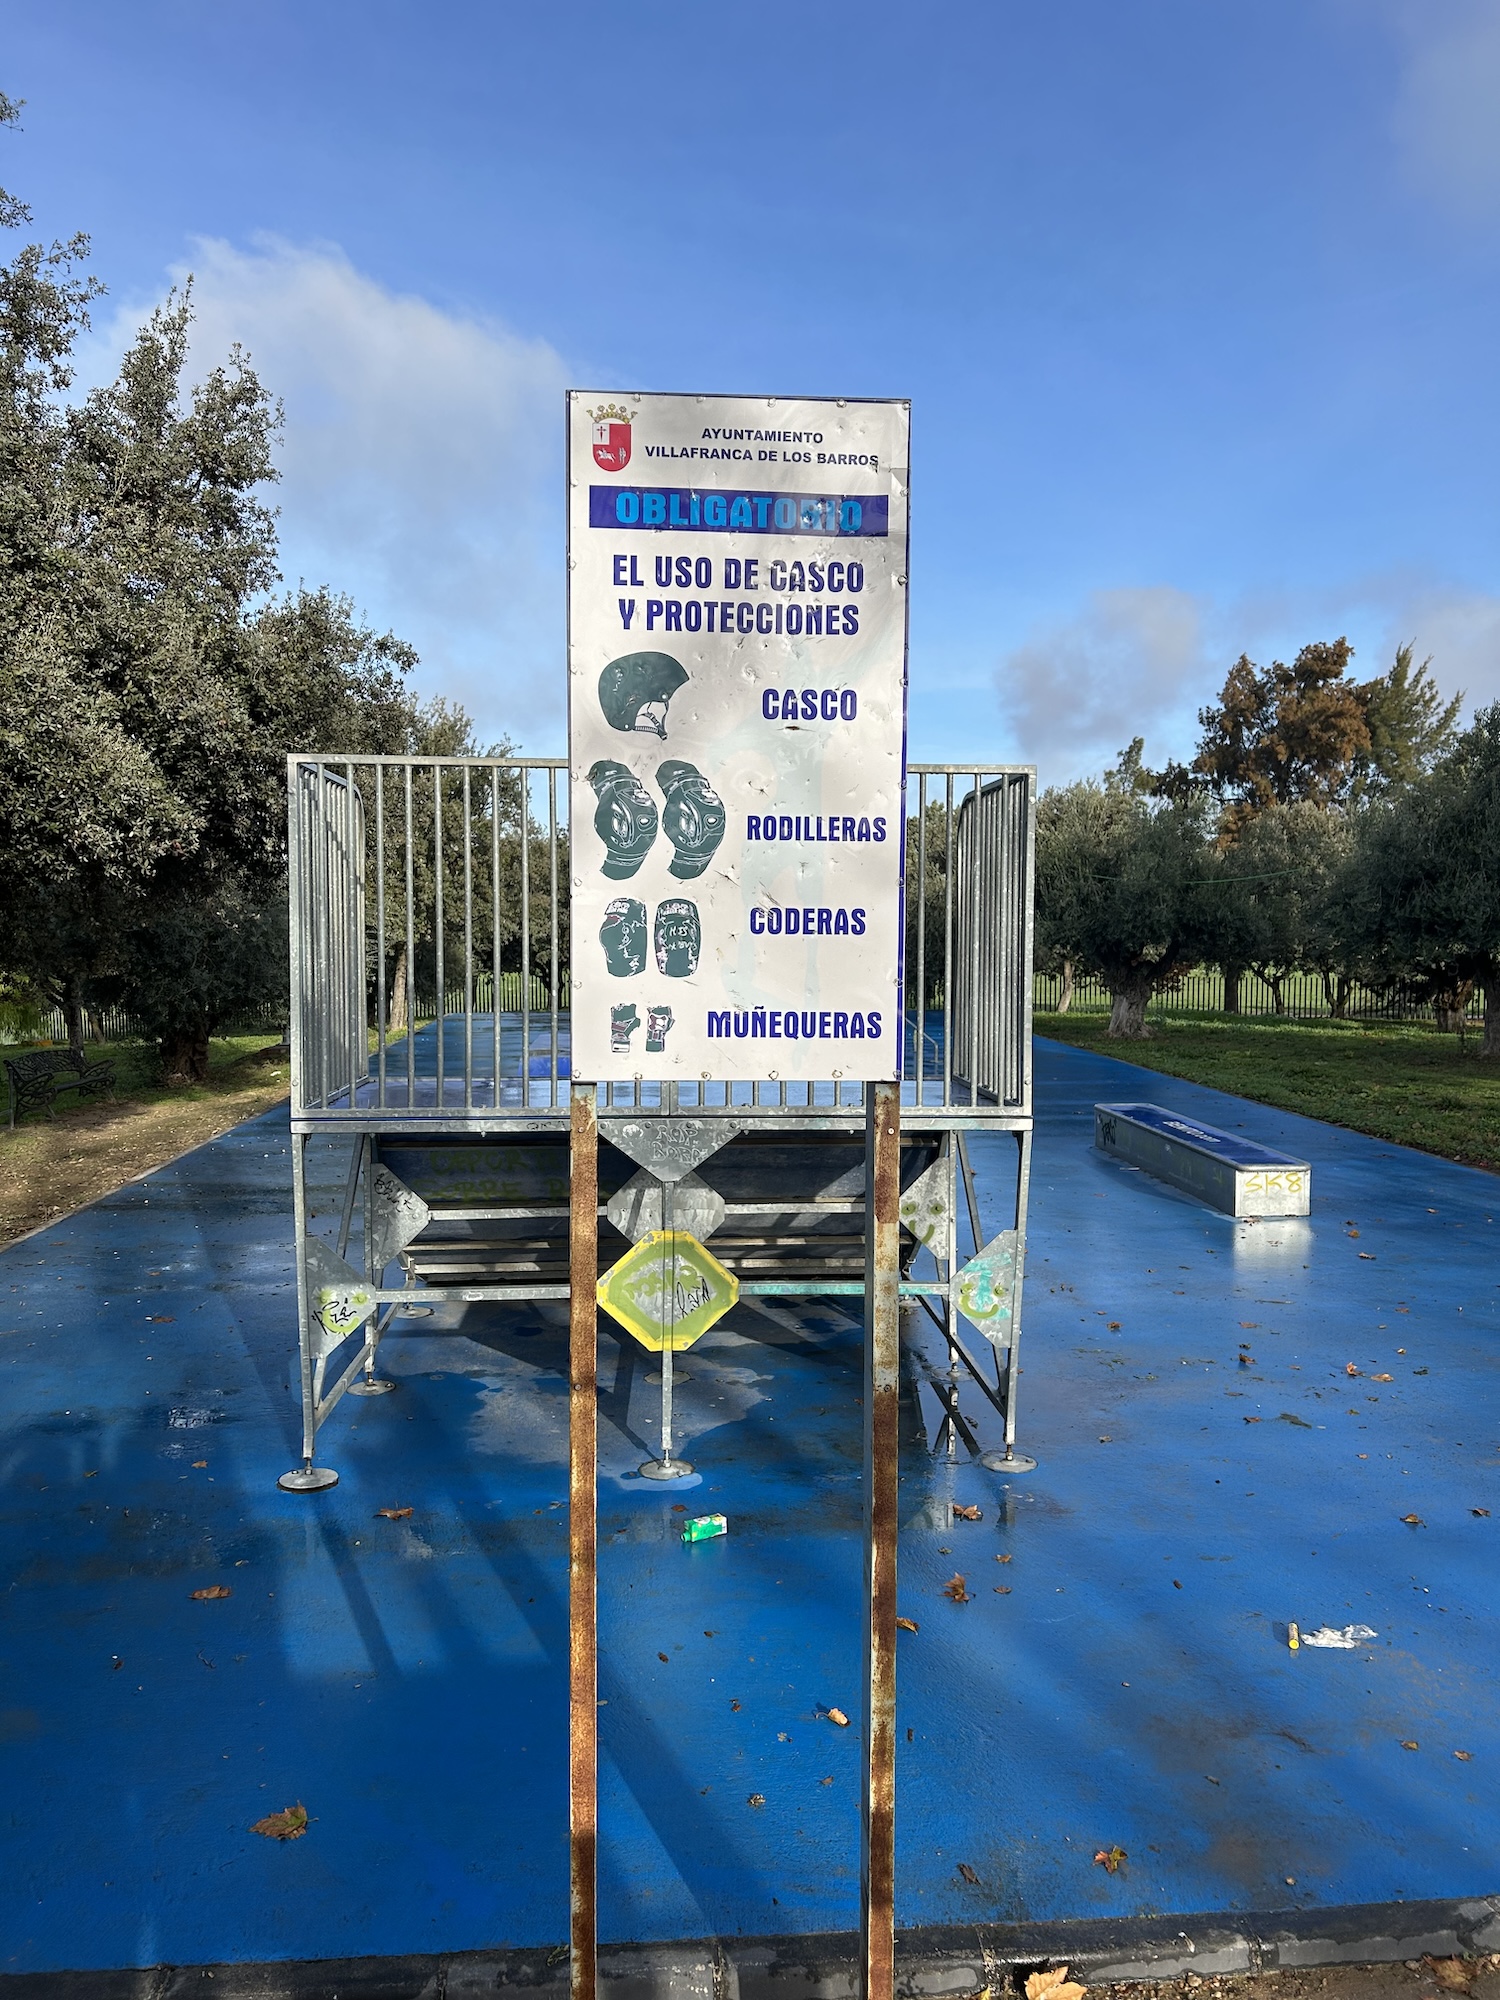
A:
623	1022
658	1022
635	690
624	819
623	936
692	818
679	938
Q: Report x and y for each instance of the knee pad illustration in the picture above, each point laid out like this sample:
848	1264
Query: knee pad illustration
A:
623	1022
624	819
658	1021
636	689
679	938
623	936
692	818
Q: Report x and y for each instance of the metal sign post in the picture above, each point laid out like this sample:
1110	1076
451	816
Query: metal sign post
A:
583	1540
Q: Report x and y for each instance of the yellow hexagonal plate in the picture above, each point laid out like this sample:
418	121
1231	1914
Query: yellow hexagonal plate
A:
668	1290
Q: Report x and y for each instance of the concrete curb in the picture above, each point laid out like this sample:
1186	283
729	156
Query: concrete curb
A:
936	1963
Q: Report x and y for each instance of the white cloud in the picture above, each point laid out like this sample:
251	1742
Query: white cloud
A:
1458	629
1446	118
421	467
1133	663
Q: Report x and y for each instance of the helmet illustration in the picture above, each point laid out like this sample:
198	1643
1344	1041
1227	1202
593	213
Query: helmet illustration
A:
623	936
625	819
693	817
623	1022
658	1023
679	938
635	689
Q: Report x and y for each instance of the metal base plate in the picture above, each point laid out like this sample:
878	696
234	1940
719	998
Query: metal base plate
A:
675	1468
998	1461
653	1380
374	1385
308	1479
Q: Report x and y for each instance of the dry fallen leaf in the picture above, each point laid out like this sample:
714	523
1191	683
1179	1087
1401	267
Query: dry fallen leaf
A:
908	1625
1453	1974
1464	1756
1114	1326
1106	1440
393	1513
735	1706
664	1660
1482	1512
967	1872
159	1319
1054	1985
1249	1322
1002	1590
1382	1378
1247	1361
214	1590
837	1715
966	1513
955	1589
825	1781
199	1464
1410	1746
1109	1859
1004	1559
1414	1520
1350	1369
782	1737
756	1799
1368	1256
288	1824
1251	1420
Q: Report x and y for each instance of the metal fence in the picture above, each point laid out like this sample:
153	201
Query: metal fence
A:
1304	996
118	1024
413	876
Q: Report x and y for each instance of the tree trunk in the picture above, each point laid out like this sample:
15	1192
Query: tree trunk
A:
1065	992
1489	1048
1232	977
1127	1014
72	1006
184	1058
397	1011
1451	1008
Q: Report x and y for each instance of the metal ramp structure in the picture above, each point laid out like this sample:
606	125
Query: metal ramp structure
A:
432	889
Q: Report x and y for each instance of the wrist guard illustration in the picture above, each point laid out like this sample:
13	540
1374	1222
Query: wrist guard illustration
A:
623	1022
679	938
658	1021
623	936
692	818
624	819
635	690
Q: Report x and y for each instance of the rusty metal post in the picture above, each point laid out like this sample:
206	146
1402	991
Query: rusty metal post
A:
877	1914
583	1712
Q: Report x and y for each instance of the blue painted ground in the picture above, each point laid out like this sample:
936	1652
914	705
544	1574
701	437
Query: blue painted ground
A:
405	1679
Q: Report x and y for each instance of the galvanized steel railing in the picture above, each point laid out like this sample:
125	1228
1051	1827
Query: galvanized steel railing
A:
448	875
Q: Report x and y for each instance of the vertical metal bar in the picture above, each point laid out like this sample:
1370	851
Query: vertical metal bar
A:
948	980
468	940
583	1612
525	936
297	927
437	920
552	853
358	1032
877	1899
919	1047
495	927
411	954
380	993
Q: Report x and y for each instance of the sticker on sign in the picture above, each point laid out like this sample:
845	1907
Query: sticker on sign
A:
736	735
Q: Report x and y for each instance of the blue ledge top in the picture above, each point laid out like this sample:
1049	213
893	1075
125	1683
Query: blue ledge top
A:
1231	1146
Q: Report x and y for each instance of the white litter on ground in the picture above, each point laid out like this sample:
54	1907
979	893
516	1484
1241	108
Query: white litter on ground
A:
1346	1639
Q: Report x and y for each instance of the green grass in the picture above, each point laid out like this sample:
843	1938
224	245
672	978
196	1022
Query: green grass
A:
1395	1080
138	1067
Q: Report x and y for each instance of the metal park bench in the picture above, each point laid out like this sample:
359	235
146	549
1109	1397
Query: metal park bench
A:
36	1080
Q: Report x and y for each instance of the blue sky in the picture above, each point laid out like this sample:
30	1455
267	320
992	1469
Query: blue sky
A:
1195	301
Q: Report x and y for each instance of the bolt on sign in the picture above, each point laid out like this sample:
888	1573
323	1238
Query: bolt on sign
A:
737	594
668	1290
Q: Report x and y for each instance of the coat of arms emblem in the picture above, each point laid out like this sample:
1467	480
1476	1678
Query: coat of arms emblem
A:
611	438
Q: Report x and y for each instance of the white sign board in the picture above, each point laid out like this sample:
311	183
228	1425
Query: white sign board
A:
736	735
